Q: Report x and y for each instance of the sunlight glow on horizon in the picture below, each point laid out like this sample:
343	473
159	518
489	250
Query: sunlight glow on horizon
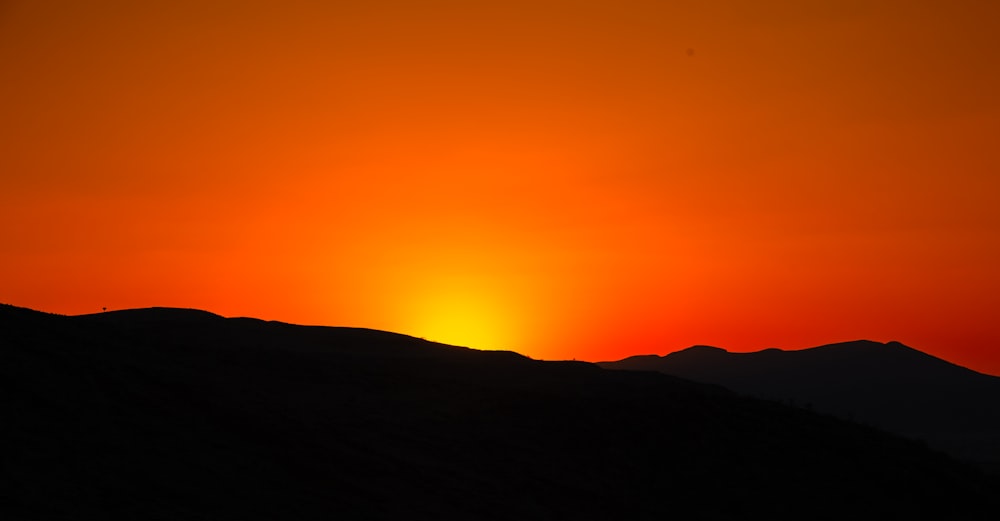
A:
565	183
462	319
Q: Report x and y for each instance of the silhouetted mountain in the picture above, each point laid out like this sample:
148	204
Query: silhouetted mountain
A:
888	385
179	414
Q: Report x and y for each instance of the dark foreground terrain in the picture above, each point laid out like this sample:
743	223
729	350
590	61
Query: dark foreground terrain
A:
180	414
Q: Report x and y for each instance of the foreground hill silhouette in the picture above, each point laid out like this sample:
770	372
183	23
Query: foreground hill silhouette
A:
891	386
182	414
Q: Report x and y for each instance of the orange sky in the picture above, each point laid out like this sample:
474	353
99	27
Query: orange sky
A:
561	178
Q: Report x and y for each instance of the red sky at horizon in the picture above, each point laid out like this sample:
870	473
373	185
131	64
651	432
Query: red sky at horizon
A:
585	180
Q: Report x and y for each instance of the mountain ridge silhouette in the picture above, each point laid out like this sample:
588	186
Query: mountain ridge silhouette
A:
180	415
888	385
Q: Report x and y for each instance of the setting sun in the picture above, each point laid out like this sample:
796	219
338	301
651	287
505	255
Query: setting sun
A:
464	317
466	301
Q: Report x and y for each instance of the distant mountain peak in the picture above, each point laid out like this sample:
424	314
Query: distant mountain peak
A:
154	314
889	385
705	349
696	353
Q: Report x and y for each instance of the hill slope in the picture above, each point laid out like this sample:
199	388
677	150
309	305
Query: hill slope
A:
179	414
891	386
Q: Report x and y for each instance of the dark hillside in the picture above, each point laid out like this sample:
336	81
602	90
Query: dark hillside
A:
180	414
890	386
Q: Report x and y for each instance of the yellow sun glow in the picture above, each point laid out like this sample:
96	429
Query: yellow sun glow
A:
460	310
462	318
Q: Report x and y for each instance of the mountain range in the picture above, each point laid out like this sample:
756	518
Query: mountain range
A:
890	386
180	414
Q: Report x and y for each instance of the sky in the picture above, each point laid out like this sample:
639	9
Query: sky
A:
565	179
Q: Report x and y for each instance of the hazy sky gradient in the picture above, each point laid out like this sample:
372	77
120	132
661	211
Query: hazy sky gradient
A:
564	179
